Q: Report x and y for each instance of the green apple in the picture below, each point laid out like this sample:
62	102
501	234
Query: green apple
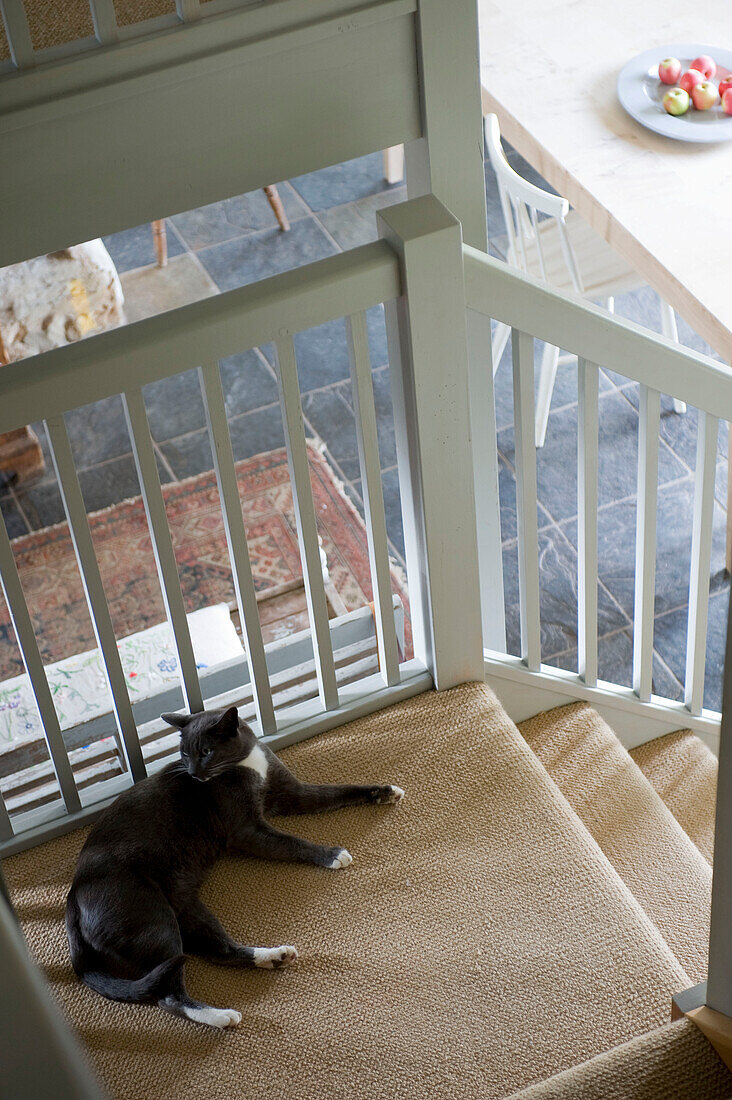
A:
676	101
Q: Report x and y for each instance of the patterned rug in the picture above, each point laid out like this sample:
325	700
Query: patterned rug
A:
53	588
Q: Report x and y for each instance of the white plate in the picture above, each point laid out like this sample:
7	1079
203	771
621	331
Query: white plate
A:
641	94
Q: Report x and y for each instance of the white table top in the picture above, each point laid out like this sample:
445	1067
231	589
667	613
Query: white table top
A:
548	70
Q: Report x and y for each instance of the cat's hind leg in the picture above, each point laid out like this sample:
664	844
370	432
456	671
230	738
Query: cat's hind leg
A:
178	1002
203	934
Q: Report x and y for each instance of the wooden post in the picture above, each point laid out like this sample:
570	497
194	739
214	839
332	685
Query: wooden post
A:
160	240
428	354
719	981
448	159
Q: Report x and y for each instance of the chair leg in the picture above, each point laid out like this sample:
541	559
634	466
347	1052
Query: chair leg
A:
610	305
394	164
276	203
547	375
160	240
728	550
498	343
669	330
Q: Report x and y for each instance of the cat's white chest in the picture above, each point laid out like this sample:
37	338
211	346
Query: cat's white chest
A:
257	761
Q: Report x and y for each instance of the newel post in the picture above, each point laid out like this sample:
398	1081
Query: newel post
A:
428	353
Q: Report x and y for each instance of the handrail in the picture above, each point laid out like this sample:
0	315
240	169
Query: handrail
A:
214	328
593	334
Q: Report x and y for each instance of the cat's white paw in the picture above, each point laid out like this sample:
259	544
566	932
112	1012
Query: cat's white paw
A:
392	795
343	859
214	1017
271	958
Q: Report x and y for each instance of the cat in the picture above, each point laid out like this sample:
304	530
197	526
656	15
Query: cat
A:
133	911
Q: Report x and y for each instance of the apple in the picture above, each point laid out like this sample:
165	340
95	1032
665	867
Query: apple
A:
669	70
725	83
727	101
690	79
676	101
705	65
704	95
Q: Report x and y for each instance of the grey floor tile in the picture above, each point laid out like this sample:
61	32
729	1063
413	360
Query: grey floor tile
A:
248	383
109	483
384	414
15	524
236	217
333	421
670	641
615	664
354	223
98	432
134	247
256	432
41	503
341	183
258	255
322	352
558	596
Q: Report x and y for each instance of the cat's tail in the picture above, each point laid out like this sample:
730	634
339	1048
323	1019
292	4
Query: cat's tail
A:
85	961
151	986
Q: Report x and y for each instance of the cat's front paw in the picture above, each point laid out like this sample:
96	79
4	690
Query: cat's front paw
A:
390	794
272	958
341	858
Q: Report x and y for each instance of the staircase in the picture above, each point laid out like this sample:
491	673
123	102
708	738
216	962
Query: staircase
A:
517	927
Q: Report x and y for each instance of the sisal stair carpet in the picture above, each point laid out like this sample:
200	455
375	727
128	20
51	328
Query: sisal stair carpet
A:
632	825
684	773
481	941
674	1062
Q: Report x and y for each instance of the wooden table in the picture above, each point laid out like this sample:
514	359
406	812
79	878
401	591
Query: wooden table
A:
548	70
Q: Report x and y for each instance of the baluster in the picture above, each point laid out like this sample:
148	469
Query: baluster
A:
587	468
649	419
18	33
105	21
157	520
373	498
701	557
522	346
306	525
23	626
236	540
73	501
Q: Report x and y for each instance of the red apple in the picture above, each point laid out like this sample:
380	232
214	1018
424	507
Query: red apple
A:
669	70
727	101
725	83
690	79
704	95
676	101
705	64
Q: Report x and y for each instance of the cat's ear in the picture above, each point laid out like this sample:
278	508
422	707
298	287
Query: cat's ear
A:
178	721
228	723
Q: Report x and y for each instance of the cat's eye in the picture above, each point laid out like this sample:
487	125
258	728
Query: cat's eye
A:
184	754
208	755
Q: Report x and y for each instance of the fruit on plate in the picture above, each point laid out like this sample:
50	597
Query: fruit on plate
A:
704	95
676	101
705	64
669	70
690	79
725	83
727	101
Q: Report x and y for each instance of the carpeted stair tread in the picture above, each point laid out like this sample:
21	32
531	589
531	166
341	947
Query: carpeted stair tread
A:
479	942
674	1062
684	772
631	824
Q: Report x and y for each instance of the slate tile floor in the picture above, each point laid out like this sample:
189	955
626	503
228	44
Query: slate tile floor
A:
235	242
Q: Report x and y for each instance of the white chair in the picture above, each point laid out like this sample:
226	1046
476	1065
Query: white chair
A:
562	251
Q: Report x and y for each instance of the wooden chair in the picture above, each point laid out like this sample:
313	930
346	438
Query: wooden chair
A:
562	251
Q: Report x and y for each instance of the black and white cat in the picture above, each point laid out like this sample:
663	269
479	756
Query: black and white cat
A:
133	910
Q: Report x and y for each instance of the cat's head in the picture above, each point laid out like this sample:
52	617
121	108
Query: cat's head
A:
211	741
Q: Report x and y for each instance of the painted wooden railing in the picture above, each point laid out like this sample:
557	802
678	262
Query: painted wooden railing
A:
599	339
197	336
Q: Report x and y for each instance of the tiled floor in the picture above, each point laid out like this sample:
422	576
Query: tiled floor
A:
237	241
